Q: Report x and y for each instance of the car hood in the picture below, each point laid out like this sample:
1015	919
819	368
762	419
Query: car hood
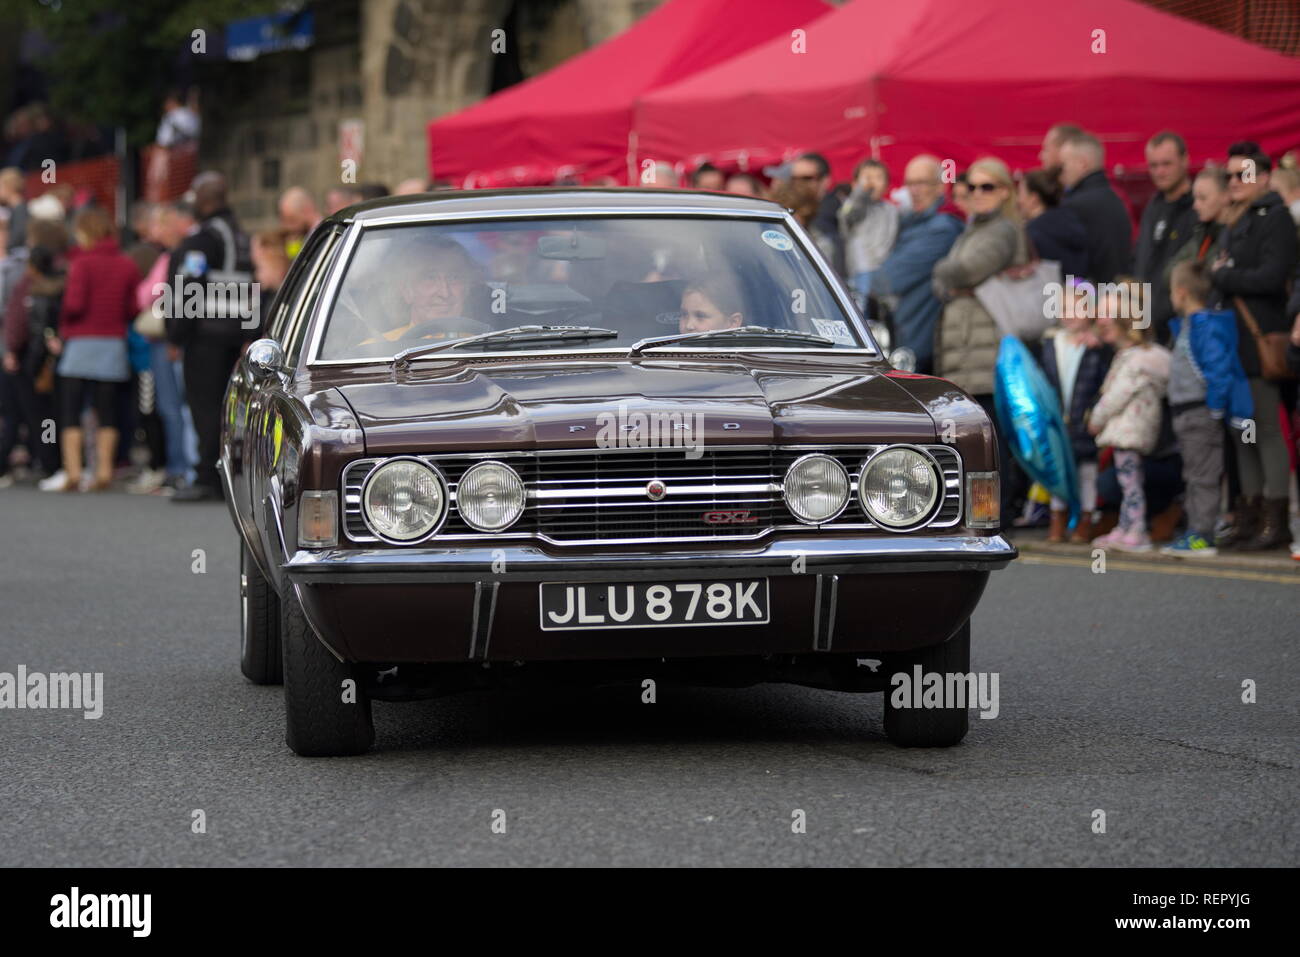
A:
487	408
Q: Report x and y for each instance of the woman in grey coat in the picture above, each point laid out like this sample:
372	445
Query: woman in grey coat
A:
967	339
966	345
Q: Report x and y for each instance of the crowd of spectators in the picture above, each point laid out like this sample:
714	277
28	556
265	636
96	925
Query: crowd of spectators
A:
1167	359
1176	355
91	370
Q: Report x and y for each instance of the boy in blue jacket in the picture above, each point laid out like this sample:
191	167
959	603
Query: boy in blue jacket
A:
1206	386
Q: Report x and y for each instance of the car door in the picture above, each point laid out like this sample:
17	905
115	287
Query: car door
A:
238	400
270	400
238	426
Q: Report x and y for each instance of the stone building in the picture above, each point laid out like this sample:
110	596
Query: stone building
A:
374	75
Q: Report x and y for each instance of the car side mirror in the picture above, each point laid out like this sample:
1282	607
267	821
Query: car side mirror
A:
264	359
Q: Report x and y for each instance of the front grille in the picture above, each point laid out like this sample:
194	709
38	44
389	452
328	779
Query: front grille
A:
599	496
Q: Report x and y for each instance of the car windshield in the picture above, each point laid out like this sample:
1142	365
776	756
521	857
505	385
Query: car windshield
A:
407	287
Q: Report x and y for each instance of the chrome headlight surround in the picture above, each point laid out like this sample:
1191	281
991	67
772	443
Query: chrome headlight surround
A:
511	483
429	528
802	463
933	501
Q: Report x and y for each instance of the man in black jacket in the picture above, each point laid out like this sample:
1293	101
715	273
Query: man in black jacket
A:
1104	216
1167	222
1250	276
211	272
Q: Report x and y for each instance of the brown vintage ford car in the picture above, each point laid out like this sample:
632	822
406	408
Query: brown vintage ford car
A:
606	435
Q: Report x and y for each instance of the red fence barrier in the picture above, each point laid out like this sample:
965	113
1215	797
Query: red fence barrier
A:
165	174
79	182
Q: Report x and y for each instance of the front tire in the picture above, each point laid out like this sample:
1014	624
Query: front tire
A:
325	716
259	624
930	727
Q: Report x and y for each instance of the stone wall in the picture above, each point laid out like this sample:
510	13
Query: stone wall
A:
274	122
420	60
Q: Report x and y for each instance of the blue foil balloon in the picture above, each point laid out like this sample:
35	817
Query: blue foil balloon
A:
1029	413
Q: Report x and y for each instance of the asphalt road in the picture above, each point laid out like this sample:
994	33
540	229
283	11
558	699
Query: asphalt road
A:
1119	692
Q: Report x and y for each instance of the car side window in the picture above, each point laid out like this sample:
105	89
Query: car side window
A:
282	306
280	310
310	295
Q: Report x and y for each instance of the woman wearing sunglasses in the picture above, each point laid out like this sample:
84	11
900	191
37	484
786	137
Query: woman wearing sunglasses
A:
966	345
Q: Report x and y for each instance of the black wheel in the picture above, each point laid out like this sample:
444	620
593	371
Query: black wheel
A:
259	624
327	711
929	727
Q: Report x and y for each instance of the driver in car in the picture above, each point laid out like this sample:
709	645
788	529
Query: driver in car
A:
709	303
436	280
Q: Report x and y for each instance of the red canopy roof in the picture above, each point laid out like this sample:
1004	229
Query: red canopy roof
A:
576	118
965	78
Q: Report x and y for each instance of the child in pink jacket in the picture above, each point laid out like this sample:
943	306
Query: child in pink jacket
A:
1127	415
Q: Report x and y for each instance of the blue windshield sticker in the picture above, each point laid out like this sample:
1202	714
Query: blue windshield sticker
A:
778	240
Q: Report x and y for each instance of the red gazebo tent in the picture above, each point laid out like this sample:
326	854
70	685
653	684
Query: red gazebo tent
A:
965	78
577	118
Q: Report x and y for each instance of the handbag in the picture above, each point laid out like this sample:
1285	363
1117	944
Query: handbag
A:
1016	298
149	325
43	381
1271	347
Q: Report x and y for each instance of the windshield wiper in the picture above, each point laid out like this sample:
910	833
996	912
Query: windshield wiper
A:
741	332
513	334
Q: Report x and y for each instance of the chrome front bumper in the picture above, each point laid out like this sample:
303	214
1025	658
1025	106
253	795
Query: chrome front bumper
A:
514	562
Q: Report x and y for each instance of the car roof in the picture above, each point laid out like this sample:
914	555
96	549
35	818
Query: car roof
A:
575	198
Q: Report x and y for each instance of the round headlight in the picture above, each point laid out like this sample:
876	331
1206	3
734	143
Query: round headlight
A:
490	497
898	486
403	500
816	488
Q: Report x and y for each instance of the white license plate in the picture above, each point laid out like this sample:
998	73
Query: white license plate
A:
573	606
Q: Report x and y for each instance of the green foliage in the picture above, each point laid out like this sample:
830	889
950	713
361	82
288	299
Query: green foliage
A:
112	60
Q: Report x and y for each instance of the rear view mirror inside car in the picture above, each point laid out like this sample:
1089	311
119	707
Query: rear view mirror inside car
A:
571	246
